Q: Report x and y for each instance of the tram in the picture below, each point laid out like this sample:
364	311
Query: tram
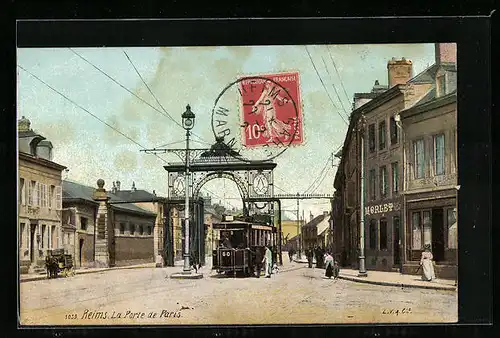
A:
237	245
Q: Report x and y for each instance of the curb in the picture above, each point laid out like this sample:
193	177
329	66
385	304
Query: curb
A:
403	285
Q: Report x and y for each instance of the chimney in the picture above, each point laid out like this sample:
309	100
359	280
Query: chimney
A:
113	190
399	71
24	124
117	185
311	216
133	186
445	52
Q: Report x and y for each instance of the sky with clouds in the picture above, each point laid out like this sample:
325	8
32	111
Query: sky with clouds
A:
191	75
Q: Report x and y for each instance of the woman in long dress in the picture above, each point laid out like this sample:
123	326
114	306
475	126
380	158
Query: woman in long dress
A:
329	265
427	264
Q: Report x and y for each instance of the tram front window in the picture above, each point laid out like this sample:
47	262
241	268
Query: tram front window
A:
238	239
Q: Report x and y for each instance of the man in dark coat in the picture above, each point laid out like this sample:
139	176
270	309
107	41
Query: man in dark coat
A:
310	255
258	261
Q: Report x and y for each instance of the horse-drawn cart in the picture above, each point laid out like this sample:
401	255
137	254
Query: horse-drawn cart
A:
57	261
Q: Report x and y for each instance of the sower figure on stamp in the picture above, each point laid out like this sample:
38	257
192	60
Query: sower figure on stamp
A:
266	106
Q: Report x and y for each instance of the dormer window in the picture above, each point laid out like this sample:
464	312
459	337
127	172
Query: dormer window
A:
441	85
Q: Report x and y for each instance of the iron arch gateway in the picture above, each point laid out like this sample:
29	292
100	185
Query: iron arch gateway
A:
254	182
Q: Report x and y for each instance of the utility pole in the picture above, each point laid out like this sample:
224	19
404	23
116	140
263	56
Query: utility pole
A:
299	233
362	267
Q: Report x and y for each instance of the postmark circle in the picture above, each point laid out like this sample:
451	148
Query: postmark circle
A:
280	133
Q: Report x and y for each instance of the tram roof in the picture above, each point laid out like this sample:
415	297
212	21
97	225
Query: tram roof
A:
230	225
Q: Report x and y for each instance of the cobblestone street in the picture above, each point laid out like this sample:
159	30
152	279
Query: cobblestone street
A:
297	295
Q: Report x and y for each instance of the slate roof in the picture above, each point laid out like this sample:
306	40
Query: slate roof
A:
136	195
77	191
428	75
29	133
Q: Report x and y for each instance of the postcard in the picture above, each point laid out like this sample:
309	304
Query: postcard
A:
272	184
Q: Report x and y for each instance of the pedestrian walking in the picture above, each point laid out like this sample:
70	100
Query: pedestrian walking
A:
268	261
336	269
329	265
291	252
427	264
309	255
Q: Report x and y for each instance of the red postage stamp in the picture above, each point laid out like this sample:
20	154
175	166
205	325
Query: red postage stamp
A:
271	110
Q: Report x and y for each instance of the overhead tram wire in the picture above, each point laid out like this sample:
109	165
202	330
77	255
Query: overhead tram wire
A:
88	112
319	76
131	92
338	74
151	92
100	120
321	173
322	179
334	88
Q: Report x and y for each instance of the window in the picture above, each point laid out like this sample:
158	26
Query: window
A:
132	229
371	137
83	223
419	158
33	193
149	230
53	235
122	228
58	200
395	177
381	135
383	234
427	227
22	200
43	195
383	181
44	228
372	184
141	230
452	228
38	194
422	229
416	226
394	131
50	200
21	234
373	234
439	154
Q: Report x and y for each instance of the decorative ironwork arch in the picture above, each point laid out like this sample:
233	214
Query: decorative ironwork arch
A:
223	174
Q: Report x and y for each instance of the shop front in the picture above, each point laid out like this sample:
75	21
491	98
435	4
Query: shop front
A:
383	235
432	220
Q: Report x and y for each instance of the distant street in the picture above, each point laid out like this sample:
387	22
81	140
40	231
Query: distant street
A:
295	295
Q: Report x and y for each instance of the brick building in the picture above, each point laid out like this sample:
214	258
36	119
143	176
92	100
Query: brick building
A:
39	199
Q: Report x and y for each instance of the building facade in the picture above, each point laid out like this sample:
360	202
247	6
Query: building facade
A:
130	231
432	182
39	199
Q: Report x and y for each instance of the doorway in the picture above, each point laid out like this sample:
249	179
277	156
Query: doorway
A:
396	241
32	242
438	234
80	251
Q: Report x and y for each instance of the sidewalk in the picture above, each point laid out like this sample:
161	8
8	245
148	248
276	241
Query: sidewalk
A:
33	277
391	279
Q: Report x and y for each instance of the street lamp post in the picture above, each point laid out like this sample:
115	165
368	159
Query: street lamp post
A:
188	119
362	267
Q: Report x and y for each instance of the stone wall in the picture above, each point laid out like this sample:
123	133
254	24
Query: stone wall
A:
134	248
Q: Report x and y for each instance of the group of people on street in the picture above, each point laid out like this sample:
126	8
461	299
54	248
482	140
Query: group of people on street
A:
324	260
263	260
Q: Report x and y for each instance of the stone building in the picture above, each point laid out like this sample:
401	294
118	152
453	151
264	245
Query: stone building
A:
39	199
430	148
314	231
128	230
